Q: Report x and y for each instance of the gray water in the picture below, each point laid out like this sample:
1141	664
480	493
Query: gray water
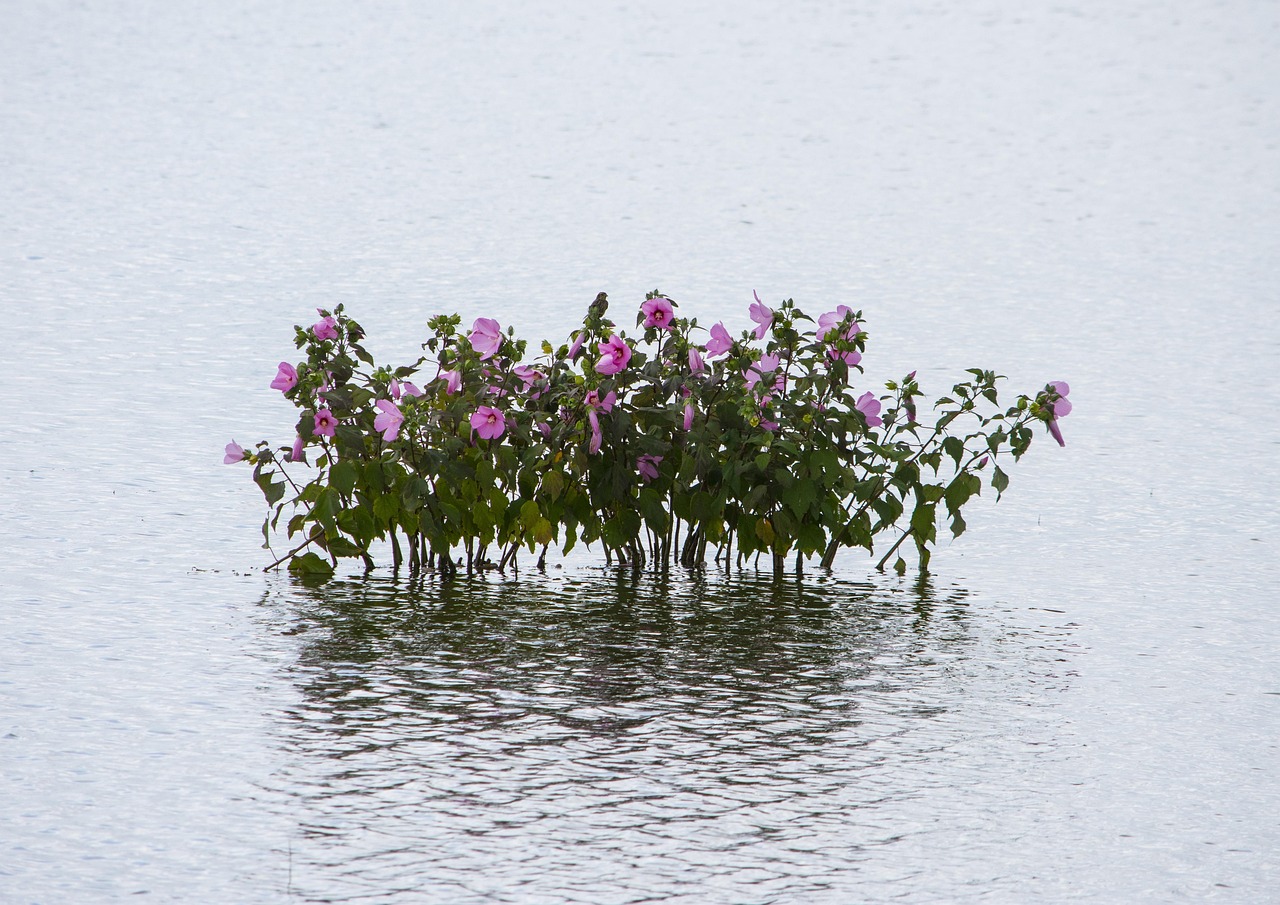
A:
1079	705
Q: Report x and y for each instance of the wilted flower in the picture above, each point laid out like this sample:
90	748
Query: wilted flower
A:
452	381
762	315
658	313
578	339
597	437
388	420
688	416
286	378
1061	408
696	364
648	466
486	337
298	453
488	422
614	356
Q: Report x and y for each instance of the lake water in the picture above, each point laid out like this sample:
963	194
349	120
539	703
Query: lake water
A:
1081	704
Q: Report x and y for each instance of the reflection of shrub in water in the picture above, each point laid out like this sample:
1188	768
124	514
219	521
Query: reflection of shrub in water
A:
608	653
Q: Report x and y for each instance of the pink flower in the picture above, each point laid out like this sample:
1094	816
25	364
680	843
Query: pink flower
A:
720	341
286	378
578	339
486	337
528	376
593	400
452	381
614	356
545	429
597	437
688	416
869	406
769	425
488	422
325	329
829	331
410	389
235	453
1061	409
658	313
648	466
766	365
388	420
762	315
325	423
297	454
696	364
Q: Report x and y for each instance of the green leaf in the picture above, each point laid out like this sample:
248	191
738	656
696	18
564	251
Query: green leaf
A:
272	490
326	508
801	496
310	565
923	519
954	447
529	515
343	477
999	481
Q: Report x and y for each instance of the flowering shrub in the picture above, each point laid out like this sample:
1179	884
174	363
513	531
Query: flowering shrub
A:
670	446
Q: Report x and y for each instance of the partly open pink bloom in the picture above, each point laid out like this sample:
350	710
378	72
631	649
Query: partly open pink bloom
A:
767	364
869	406
488	422
529	376
648	466
325	329
1061	409
832	319
658	313
720	341
403	387
388	420
486	337
594	400
614	356
544	428
597	437
769	425
762	315
578	339
688	416
829	331
452	381
234	453
286	378
298	453
325	423
696	364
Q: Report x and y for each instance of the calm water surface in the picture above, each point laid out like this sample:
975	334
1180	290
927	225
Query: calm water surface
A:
1082	704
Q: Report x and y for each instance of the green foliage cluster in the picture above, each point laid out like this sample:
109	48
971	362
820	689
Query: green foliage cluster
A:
694	452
